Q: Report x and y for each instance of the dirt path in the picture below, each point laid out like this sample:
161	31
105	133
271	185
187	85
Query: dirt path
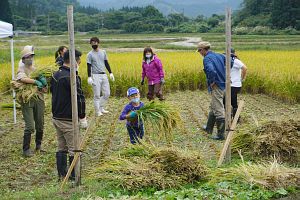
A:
18	173
187	42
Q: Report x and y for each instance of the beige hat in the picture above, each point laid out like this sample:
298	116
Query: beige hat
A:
28	50
202	45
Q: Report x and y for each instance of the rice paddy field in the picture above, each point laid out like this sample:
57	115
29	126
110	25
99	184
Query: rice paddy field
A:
265	148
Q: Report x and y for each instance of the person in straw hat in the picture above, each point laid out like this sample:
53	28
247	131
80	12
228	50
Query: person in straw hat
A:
214	68
33	111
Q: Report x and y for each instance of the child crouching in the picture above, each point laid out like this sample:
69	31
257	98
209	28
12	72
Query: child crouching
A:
134	126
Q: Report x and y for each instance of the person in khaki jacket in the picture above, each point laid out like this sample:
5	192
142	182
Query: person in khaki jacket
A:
33	111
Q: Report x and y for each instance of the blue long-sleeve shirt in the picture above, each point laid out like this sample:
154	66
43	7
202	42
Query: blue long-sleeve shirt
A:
128	108
215	69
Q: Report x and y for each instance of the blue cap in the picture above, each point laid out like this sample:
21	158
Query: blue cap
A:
132	90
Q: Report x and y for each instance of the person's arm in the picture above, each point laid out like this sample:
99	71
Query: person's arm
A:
244	72
107	66
124	113
143	72
89	64
80	99
89	69
106	62
210	71
27	80
160	69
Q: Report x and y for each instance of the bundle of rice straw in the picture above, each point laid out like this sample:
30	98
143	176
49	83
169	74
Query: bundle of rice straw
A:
25	92
161	115
271	175
281	139
138	167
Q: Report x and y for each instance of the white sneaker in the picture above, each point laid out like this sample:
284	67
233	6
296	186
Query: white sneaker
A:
98	114
104	111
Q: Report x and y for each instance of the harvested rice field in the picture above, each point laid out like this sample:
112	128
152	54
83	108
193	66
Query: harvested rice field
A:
184	168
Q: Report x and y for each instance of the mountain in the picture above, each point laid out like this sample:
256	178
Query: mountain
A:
190	8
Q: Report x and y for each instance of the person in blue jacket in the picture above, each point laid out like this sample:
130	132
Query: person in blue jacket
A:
134	126
214	68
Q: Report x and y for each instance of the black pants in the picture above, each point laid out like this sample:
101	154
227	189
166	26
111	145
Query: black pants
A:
234	93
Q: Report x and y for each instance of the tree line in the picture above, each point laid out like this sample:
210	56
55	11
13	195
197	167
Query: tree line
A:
50	17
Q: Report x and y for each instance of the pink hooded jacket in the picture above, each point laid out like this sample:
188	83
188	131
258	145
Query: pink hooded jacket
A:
153	71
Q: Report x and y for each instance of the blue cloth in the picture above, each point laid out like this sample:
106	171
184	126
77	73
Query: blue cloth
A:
135	133
215	69
128	108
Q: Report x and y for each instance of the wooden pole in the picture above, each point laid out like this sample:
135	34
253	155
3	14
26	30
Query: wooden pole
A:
74	91
230	133
13	76
228	83
77	154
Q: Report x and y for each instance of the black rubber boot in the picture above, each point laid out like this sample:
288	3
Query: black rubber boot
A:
221	129
27	153
211	120
72	176
61	164
26	141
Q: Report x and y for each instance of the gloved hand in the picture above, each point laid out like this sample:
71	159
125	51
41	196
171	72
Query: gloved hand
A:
111	76
142	82
132	115
162	81
83	123
39	84
90	81
43	80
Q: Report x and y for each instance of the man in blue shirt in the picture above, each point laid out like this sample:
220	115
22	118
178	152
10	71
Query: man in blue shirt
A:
214	68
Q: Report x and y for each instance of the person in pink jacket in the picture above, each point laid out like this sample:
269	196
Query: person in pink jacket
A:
153	70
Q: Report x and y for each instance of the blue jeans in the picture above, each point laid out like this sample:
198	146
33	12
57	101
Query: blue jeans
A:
135	133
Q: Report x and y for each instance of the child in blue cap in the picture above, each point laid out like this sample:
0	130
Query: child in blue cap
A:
134	126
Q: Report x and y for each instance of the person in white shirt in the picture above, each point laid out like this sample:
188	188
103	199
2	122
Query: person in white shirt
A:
237	76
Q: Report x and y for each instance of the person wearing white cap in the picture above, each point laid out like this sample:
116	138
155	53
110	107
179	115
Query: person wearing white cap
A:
214	68
134	125
33	111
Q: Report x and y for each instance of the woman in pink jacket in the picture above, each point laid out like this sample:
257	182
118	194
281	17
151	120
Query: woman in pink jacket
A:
153	70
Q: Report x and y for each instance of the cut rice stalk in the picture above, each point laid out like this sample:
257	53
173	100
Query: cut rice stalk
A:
163	116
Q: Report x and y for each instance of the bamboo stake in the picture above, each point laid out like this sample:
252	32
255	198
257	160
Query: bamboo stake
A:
74	90
76	156
230	133
228	82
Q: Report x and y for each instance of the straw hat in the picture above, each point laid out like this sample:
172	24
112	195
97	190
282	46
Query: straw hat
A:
28	50
202	45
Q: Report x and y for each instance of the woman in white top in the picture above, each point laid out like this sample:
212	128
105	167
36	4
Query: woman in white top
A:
237	76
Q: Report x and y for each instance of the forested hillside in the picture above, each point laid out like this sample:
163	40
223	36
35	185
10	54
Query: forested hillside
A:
49	17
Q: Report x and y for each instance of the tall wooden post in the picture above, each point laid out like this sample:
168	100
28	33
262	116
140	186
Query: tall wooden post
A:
228	83
13	76
74	91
